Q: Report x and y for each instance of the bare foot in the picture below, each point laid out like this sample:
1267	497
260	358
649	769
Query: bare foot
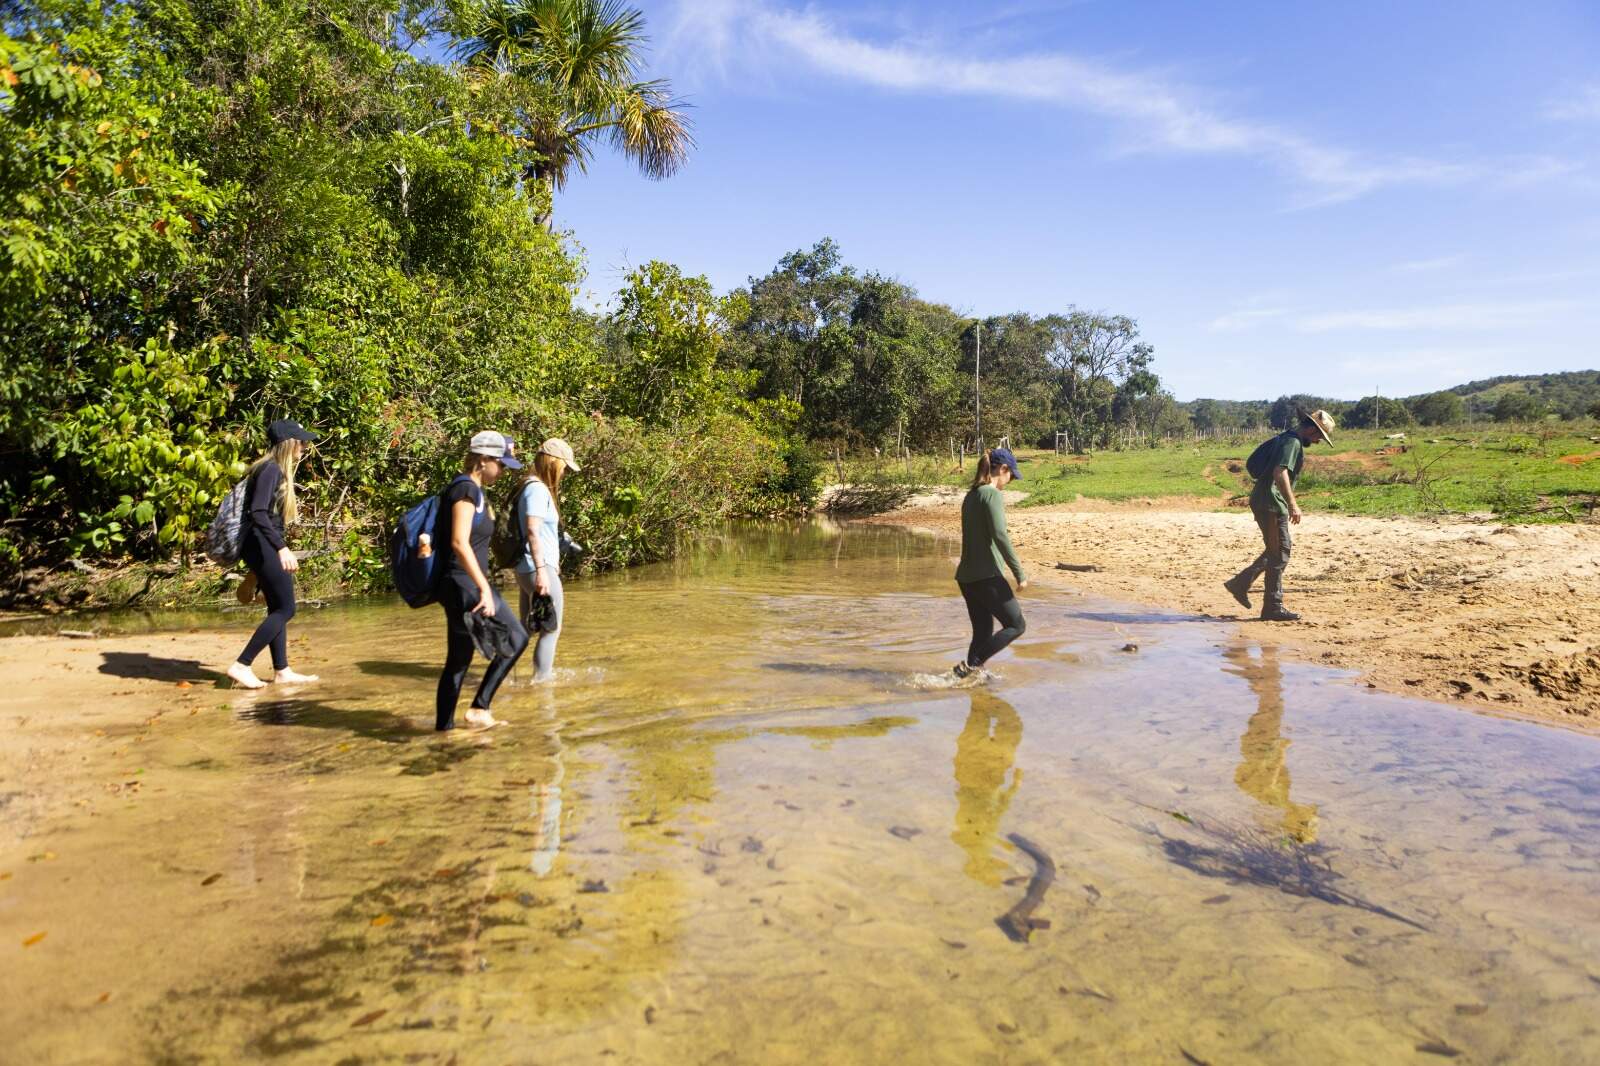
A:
244	677
289	677
481	718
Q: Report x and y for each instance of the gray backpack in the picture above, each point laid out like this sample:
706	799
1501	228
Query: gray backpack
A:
225	537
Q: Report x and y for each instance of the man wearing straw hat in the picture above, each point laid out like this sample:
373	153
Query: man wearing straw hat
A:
1275	465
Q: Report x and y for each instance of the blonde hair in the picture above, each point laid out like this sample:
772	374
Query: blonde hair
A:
286	453
549	469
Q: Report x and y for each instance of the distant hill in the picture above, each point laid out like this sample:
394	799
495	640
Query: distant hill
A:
1569	393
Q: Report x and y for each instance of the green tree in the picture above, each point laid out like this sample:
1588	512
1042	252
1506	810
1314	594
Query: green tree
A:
1518	406
574	65
1377	411
671	332
1439	409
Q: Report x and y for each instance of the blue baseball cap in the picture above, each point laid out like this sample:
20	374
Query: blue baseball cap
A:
1003	455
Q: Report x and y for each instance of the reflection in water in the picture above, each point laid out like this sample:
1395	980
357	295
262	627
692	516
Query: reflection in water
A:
984	754
1263	772
731	861
547	802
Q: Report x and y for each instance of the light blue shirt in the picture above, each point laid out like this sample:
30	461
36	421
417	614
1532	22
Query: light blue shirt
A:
537	503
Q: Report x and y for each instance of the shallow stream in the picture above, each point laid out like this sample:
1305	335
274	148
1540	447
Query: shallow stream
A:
750	822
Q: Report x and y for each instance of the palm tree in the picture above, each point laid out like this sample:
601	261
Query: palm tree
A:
578	60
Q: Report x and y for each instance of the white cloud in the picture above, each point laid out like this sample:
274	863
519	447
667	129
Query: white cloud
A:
1428	266
1157	114
1582	106
1241	320
1477	316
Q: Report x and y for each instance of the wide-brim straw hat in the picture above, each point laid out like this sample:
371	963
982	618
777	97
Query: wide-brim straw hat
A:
1324	423
561	450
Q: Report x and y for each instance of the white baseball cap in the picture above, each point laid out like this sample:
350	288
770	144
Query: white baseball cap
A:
494	444
561	450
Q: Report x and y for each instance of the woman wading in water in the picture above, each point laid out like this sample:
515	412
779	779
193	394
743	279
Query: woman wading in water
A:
539	569
984	544
270	506
475	615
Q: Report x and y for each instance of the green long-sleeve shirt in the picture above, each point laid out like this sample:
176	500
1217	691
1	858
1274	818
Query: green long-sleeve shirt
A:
984	542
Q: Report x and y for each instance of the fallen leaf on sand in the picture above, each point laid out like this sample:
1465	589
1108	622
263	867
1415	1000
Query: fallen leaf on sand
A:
213	879
43	856
32	940
104	997
377	843
368	1019
185	684
382	919
5	876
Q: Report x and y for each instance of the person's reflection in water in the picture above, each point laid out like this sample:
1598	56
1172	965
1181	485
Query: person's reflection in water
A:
1263	773
984	754
547	802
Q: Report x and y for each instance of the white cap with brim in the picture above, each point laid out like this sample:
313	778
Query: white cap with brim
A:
561	450
495	445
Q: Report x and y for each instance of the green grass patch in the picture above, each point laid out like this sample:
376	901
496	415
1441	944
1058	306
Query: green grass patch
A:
1540	473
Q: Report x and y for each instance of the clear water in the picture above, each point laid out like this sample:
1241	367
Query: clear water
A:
752	823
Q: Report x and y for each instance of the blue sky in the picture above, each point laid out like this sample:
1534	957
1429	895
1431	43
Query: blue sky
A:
1323	198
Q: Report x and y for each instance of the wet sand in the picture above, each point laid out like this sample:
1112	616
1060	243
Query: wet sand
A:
1500	618
799	852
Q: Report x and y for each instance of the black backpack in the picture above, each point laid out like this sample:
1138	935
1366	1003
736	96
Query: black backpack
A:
1259	465
508	543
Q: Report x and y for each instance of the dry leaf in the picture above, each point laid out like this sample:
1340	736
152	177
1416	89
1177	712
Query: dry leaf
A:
185	684
380	842
382	919
213	879
104	996
368	1019
43	856
5	876
32	940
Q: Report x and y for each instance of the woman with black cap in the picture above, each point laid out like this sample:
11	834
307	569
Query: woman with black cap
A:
984	544
475	615
271	506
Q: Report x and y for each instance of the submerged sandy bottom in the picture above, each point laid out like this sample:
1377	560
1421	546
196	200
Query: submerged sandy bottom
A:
748	825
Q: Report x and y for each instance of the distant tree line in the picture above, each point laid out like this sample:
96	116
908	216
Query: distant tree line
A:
1509	398
873	365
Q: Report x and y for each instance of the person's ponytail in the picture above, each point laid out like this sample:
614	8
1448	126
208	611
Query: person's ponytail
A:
985	469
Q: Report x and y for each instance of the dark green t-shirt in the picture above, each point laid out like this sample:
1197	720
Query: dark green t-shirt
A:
1289	452
985	545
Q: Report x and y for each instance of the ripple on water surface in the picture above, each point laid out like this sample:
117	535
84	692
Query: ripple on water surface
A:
750	821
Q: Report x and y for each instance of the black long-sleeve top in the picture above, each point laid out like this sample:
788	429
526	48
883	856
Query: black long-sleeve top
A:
264	518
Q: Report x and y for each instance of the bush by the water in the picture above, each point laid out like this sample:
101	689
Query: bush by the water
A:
215	215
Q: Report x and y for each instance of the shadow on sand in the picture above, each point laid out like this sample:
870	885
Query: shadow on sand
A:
143	666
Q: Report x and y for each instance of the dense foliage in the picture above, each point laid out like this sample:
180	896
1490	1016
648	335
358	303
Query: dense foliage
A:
874	366
217	212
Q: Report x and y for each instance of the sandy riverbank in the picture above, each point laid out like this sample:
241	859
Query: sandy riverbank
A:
1505	618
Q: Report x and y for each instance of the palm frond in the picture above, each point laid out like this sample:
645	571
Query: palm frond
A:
650	127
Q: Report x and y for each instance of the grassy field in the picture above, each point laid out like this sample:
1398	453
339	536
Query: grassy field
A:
1543	473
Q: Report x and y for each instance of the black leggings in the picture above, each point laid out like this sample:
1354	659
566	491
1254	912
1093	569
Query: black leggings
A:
458	596
989	601
278	586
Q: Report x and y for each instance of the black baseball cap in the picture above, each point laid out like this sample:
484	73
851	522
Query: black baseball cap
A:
1003	455
286	429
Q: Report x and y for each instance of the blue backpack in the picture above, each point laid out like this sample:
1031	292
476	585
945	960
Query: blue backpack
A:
416	576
